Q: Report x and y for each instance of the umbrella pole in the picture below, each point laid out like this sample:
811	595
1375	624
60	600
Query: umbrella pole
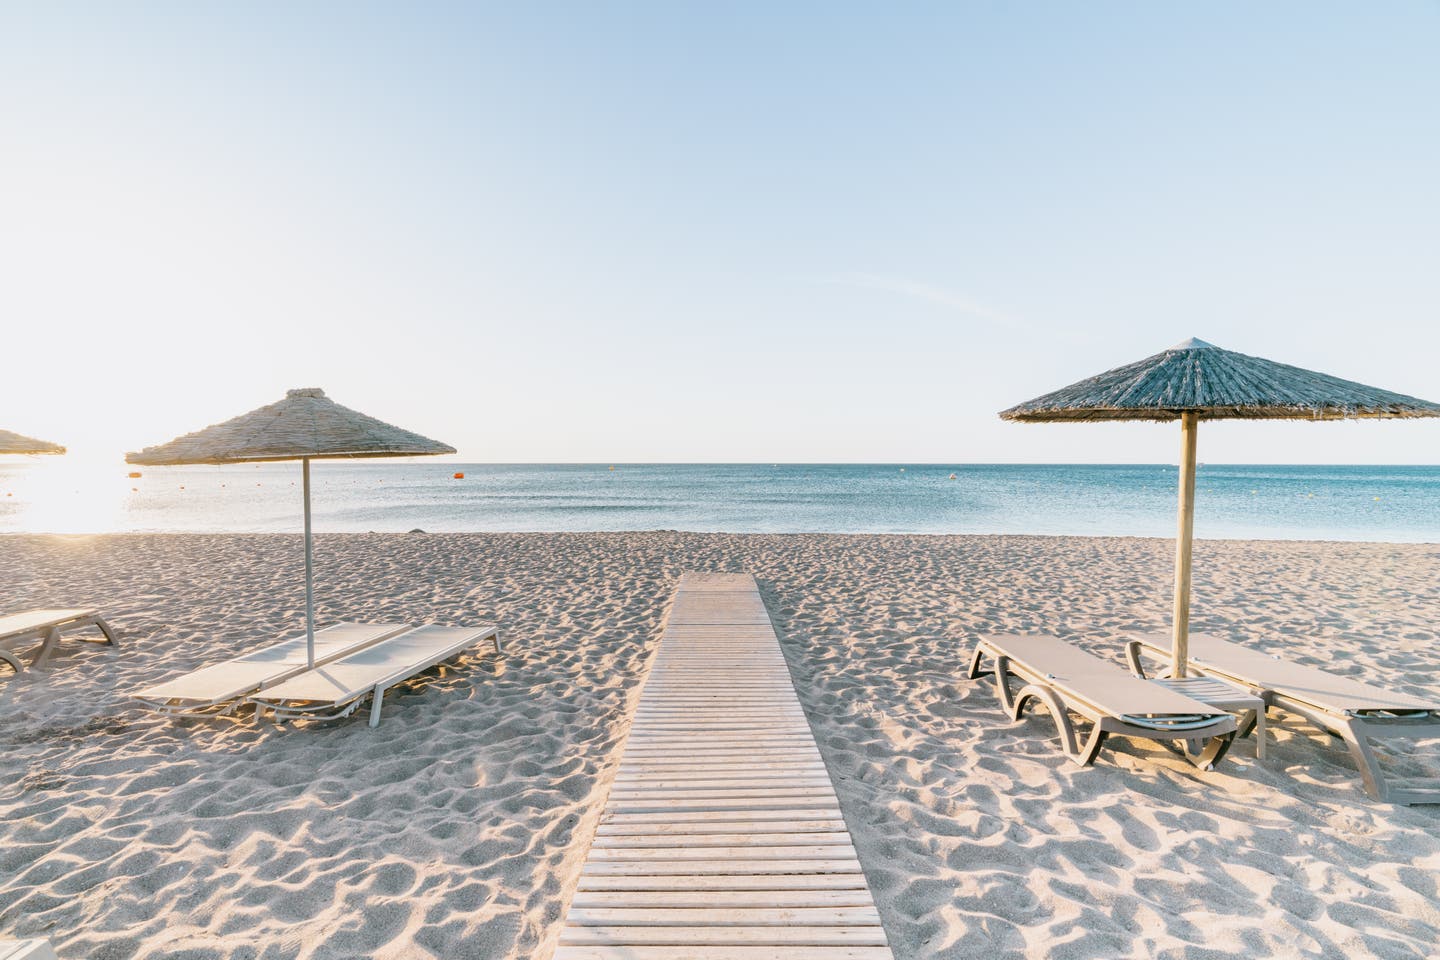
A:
309	572
1184	535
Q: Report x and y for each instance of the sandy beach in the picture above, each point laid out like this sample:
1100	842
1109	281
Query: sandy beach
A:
458	827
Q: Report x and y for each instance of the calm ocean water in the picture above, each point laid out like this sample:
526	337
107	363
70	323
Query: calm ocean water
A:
1300	502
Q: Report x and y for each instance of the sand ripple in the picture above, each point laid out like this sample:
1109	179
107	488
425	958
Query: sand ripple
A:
451	831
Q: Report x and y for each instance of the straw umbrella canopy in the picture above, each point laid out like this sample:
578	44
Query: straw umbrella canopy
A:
14	443
305	426
1196	381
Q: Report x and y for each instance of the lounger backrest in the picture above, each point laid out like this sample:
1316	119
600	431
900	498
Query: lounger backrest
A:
1100	683
1262	671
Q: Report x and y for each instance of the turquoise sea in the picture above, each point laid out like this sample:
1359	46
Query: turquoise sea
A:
1385	503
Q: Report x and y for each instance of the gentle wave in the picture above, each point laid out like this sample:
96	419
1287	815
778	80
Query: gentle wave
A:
1399	503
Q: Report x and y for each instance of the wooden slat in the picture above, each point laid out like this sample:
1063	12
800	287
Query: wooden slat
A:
793	812
637	934
712	952
736	867
791	881
730	916
722	837
723	898
718	825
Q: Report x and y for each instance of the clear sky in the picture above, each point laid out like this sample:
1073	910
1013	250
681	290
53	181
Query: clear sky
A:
712	231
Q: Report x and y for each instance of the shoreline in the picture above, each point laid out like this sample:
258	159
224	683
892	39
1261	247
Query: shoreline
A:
455	828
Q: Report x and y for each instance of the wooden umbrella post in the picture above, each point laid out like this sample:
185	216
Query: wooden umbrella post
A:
1184	536
309	573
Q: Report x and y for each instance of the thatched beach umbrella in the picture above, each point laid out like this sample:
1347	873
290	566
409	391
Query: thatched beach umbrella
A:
1196	381
305	426
14	443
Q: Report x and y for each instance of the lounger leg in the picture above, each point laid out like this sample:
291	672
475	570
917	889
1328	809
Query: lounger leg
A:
14	661
1092	746
1213	753
52	640
1085	755
1353	734
1249	720
975	673
105	629
1260	733
1002	687
1132	654
498	651
375	704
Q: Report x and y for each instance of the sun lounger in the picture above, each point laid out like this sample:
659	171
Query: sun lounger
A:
1354	711
26	950
337	689
222	687
1069	680
46	626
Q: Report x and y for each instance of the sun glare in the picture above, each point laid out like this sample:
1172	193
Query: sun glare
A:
64	495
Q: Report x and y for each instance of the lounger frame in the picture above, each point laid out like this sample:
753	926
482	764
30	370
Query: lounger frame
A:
335	710
1218	729
1355	728
26	949
182	707
231	702
51	634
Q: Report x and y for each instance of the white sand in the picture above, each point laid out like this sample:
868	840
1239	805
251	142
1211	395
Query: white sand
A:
451	831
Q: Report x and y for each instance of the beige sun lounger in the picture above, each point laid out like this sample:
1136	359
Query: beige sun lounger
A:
1069	680
46	626
222	687
337	689
1354	711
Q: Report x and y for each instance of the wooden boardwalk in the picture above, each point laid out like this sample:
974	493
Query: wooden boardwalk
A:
722	837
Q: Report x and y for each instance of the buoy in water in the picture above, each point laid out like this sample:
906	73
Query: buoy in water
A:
459	476
952	476
612	466
134	475
1377	498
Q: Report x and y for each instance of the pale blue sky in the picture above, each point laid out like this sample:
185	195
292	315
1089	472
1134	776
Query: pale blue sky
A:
685	231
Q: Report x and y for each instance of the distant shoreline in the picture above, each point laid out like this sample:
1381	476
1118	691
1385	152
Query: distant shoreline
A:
1340	503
